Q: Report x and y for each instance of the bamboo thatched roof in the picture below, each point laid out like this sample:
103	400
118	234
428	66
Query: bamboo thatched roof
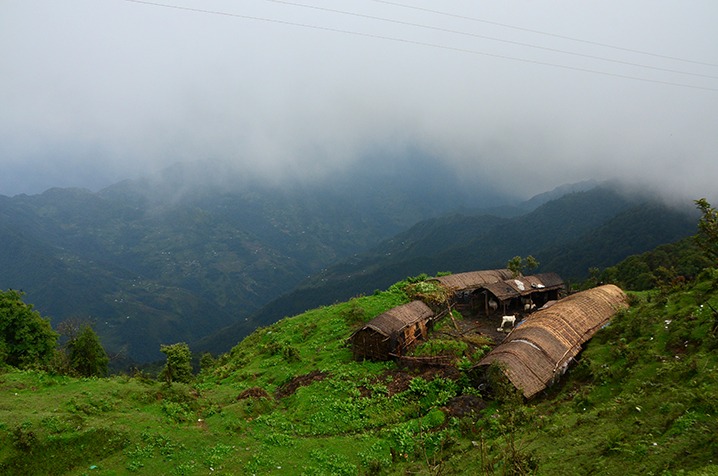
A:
473	279
399	317
534	353
522	286
502	290
549	280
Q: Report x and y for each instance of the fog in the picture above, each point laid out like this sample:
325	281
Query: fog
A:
524	95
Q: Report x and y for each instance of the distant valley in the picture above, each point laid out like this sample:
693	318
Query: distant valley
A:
154	261
569	235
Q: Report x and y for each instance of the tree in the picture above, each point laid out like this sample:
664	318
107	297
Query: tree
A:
206	362
26	338
707	237
178	367
517	265
87	356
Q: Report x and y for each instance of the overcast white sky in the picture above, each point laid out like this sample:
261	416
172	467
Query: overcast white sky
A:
95	91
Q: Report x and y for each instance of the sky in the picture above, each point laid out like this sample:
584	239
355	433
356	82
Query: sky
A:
526	95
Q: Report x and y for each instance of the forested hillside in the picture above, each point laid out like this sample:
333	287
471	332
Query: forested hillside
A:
569	235
177	256
157	260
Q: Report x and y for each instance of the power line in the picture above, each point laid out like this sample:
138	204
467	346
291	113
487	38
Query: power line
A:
539	32
502	40
418	43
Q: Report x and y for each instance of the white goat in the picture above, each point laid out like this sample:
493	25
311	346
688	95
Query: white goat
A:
507	320
493	305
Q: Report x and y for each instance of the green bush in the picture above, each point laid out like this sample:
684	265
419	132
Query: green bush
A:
26	338
437	347
86	355
178	367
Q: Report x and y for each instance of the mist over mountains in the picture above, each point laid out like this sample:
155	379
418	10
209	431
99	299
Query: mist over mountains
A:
198	254
176	256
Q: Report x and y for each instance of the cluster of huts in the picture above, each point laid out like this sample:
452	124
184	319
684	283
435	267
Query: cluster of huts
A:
538	351
534	354
486	292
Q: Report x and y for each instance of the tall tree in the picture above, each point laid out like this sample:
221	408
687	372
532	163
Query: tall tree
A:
707	237
26	338
87	356
178	367
517	265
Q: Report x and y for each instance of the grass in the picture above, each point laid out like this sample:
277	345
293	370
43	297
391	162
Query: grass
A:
289	399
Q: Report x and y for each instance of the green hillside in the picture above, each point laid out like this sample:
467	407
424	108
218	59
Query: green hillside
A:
568	235
289	399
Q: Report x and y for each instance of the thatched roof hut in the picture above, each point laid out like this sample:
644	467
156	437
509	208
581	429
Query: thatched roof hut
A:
391	333
525	286
546	280
539	287
538	351
473	279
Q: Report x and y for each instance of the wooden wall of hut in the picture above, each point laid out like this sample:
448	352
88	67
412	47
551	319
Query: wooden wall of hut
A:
393	332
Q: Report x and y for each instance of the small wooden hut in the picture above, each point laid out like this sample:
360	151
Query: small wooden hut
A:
392	333
538	351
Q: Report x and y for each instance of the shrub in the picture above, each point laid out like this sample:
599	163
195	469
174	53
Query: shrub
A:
354	313
178	367
436	347
26	338
86	355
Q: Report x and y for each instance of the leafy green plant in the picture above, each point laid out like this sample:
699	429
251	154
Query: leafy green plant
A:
376	458
177	412
435	347
433	393
325	462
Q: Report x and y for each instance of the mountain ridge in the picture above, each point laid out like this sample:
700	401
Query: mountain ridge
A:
563	231
154	261
193	246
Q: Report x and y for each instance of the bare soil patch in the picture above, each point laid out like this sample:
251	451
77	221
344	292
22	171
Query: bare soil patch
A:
254	392
300	381
464	405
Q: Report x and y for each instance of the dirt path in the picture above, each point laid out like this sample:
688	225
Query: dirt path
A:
474	325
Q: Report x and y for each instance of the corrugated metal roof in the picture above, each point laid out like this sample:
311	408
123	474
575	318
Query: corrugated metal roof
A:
533	352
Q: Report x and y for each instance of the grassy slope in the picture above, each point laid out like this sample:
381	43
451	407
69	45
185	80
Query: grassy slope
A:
641	401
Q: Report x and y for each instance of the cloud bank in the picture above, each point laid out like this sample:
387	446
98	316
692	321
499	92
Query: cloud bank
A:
95	92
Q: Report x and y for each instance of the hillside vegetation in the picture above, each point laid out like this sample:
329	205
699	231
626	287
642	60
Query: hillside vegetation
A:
199	255
289	399
180	255
569	235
